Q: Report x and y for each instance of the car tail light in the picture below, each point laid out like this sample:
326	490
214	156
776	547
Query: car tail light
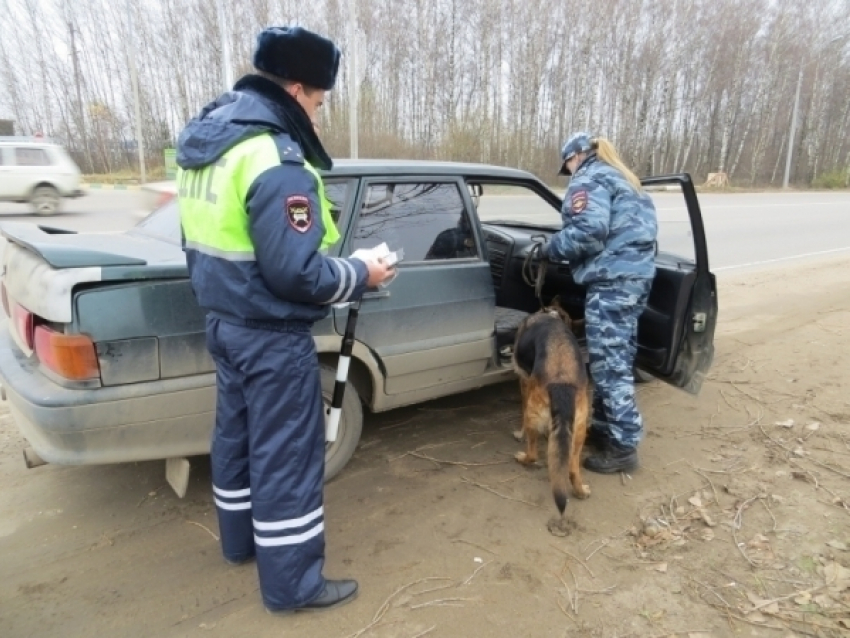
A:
5	299
24	322
70	356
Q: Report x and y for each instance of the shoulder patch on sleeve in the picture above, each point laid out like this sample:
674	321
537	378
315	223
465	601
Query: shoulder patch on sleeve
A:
578	201
299	212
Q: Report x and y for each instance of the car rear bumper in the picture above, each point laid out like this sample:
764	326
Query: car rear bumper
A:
136	422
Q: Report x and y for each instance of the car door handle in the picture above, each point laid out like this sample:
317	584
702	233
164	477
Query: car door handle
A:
381	294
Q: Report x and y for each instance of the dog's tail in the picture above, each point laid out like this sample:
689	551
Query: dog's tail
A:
562	400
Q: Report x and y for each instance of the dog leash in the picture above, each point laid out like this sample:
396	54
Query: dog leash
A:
534	275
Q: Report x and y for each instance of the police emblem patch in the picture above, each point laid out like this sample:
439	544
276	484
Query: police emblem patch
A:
299	213
578	201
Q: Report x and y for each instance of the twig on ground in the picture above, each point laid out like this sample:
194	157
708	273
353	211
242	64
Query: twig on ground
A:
828	467
737	523
397	425
443	602
481	547
747	394
726	399
564	609
419	455
578	560
607	590
768	603
148	495
808	458
430	446
713	489
499	494
763	501
204	527
475	573
433	589
728	611
385	606
427	631
604	544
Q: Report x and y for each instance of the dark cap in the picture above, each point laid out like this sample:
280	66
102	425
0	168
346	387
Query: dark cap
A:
297	55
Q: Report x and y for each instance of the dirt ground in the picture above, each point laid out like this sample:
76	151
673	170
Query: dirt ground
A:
737	524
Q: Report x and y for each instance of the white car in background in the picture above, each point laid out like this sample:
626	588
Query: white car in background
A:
37	171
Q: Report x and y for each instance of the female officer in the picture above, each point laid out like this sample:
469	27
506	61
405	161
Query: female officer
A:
608	237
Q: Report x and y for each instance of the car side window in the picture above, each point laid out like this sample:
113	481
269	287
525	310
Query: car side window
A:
428	220
338	193
31	157
2	156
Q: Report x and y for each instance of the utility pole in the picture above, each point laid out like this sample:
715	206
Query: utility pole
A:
81	114
353	89
134	79
792	134
227	67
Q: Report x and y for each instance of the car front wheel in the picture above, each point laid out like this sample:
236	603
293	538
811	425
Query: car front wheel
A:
45	200
338	453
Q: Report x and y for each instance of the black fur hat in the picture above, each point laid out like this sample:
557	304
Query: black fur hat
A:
297	55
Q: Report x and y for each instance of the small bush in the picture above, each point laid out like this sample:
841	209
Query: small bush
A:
835	179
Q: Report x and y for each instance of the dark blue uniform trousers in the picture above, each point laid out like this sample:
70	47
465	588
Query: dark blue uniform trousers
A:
268	456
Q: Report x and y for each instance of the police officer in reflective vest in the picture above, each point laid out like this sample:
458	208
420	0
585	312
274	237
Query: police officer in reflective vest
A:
255	222
609	234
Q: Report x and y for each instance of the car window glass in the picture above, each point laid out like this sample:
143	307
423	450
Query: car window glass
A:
428	220
496	202
338	193
31	157
163	223
675	235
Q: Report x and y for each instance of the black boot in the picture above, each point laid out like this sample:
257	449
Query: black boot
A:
335	594
612	460
597	439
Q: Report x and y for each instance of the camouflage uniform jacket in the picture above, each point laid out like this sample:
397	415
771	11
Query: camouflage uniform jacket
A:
609	229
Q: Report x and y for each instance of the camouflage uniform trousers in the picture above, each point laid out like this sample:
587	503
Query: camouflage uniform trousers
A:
612	312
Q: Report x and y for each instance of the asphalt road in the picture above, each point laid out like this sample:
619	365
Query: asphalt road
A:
743	230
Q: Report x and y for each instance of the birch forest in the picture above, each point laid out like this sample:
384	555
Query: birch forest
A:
700	86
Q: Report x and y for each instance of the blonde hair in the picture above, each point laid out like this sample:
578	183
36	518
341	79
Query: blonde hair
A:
607	153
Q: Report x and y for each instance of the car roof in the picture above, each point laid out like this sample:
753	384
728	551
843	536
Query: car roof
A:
395	167
26	141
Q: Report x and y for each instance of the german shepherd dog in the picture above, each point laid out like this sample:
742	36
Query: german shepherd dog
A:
555	398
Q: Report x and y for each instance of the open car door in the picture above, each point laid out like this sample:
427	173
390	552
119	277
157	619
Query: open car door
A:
676	332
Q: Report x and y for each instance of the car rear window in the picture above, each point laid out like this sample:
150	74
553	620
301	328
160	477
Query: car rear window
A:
163	223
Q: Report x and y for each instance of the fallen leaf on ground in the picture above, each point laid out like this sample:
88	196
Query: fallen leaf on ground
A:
707	535
696	501
838	545
786	424
813	427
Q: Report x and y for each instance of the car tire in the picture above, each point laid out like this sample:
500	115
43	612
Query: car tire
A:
45	200
641	376
338	453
